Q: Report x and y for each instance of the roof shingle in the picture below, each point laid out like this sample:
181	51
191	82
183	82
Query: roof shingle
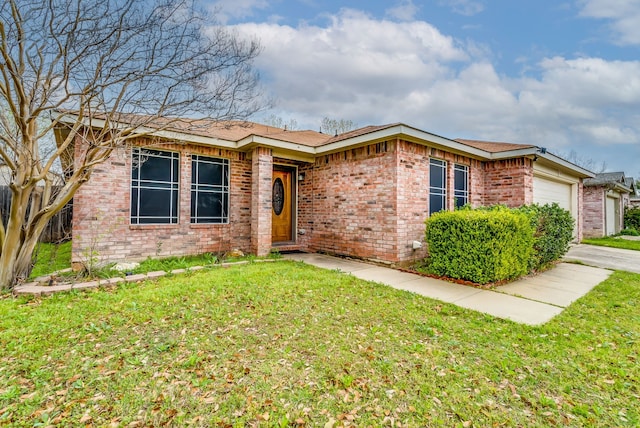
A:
493	146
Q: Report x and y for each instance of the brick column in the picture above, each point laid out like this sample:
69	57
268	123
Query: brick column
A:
261	174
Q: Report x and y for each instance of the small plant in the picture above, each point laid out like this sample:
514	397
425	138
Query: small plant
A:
211	258
275	254
629	231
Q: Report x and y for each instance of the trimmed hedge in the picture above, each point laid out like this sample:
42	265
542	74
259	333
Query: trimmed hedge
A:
480	245
490	244
553	231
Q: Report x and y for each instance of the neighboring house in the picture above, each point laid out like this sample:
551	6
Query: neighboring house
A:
605	197
634	197
205	186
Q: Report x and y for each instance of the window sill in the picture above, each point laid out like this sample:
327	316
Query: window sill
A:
153	226
206	225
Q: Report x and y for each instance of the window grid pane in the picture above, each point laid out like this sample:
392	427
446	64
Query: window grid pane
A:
154	186
209	190
461	185
437	185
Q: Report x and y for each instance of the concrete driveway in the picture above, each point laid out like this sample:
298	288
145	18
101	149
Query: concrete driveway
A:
605	257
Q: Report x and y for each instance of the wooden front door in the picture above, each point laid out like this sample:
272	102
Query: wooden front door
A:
282	215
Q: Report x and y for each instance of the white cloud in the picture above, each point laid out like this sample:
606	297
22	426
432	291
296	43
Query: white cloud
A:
377	71
464	7
404	11
624	17
354	61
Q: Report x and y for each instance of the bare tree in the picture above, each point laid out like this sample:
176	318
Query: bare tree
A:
337	126
122	67
584	162
279	122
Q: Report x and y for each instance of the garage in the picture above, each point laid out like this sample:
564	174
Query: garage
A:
546	191
604	199
612	214
560	190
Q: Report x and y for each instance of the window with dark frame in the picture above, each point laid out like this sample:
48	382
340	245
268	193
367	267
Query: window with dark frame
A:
460	185
209	190
154	186
437	185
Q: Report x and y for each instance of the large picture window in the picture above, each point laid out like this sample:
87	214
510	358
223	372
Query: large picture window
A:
461	185
437	185
154	186
209	190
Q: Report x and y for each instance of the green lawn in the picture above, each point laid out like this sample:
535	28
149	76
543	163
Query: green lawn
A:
51	257
285	344
615	242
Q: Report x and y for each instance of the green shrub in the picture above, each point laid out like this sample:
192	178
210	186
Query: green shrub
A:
553	231
629	232
632	218
480	245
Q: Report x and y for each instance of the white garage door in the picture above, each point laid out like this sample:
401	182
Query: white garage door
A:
610	216
547	191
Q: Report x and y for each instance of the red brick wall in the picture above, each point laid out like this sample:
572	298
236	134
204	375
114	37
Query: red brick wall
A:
592	213
508	182
101	217
372	202
347	203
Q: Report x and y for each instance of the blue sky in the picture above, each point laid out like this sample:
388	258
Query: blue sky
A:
562	75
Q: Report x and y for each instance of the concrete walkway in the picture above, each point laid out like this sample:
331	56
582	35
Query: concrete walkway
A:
605	257
532	300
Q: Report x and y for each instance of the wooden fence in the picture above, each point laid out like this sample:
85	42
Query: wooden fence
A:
59	227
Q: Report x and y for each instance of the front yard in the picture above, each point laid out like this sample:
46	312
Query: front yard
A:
285	344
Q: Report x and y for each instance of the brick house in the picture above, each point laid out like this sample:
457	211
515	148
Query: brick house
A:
212	187
605	198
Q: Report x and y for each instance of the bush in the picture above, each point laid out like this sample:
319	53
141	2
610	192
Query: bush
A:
632	218
629	232
480	245
553	231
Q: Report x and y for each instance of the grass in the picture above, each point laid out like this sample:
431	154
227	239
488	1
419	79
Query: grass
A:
285	344
614	242
55	257
51	257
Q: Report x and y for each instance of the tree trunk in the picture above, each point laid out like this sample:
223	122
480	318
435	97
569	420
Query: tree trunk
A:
21	238
13	240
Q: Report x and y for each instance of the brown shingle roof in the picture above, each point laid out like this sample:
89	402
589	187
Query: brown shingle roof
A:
360	131
493	146
224	130
239	130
